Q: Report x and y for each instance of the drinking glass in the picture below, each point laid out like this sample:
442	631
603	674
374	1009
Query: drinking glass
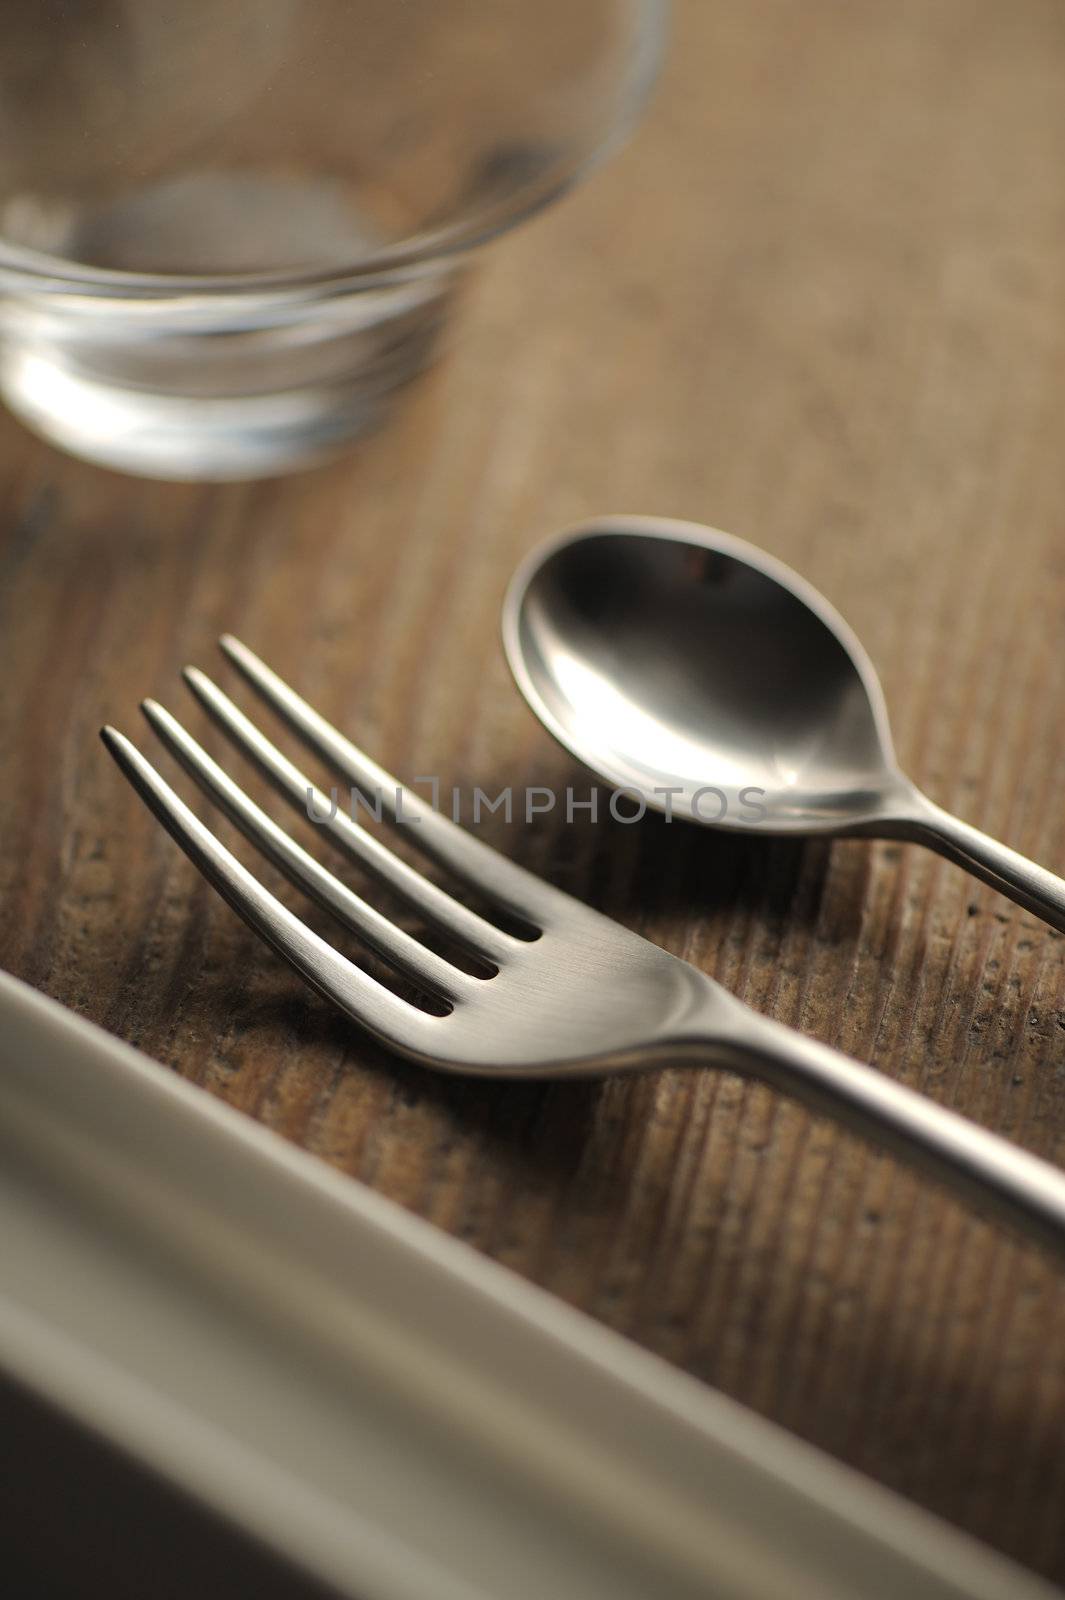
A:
231	229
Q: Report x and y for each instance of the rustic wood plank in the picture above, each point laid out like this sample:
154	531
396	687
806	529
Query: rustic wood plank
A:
818	302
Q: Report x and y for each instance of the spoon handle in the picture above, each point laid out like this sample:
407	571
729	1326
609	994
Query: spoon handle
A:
989	1172
1012	874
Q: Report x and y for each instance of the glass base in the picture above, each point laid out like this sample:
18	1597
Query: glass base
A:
241	391
186	438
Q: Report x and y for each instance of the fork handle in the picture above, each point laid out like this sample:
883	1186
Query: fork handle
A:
994	1175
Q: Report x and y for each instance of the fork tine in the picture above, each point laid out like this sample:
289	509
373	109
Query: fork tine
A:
474	933
470	859
392	1019
406	953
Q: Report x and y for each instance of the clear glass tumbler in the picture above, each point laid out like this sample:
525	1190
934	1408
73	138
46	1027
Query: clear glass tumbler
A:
230	229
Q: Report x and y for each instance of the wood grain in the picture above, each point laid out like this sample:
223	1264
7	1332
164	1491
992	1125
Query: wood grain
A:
820	301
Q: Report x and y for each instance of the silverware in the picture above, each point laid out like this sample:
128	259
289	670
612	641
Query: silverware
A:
685	664
563	991
394	1415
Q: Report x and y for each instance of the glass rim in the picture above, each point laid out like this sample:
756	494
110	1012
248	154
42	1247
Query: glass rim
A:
409	257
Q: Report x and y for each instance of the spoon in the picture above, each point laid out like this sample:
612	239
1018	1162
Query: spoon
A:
712	682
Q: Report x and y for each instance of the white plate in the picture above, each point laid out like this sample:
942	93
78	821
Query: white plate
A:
372	1400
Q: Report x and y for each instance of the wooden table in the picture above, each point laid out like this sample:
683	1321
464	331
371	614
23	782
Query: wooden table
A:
820	301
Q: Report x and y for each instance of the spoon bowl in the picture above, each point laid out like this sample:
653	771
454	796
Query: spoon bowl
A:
682	664
687	665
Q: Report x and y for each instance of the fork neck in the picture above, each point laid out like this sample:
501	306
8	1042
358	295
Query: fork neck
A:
990	1173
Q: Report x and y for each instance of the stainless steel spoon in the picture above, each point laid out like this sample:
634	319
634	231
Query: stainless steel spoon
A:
689	667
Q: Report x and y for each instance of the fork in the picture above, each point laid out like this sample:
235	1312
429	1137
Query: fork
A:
560	990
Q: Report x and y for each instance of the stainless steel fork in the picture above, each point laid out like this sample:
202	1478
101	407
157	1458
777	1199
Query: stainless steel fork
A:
562	992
